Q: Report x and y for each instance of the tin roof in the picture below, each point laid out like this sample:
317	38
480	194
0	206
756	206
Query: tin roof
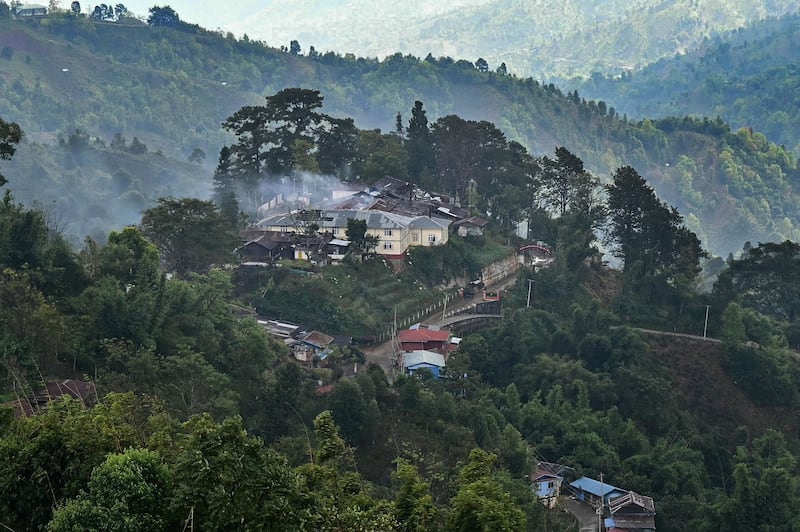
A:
595	487
414	358
424	335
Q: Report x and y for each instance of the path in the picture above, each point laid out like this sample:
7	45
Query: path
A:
585	514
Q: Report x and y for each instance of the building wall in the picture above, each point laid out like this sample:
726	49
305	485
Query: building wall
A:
398	238
433	369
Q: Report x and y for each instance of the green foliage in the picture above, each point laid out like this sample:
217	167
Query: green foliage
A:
127	492
660	254
526	111
739	76
10	135
481	504
190	234
755	355
414	509
226	479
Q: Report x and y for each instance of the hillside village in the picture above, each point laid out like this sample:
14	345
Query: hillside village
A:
369	354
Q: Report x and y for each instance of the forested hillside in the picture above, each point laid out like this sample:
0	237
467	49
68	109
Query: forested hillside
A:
171	87
195	416
544	38
750	78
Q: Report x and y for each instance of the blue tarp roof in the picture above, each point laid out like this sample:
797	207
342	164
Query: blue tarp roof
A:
595	487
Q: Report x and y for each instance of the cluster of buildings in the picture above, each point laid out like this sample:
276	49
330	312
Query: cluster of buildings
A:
397	215
618	510
425	347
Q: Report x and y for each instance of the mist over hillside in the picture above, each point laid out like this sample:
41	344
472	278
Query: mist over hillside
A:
542	38
170	88
750	78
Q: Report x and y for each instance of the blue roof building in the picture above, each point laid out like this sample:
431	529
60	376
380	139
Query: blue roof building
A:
414	361
593	491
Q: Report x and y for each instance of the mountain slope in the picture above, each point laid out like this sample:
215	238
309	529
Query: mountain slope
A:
543	38
172	89
750	78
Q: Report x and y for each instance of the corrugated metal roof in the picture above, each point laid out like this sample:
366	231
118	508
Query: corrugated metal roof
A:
595	487
632	498
338	218
423	222
413	358
423	335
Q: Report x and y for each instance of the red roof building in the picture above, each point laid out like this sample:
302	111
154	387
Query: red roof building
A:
424	339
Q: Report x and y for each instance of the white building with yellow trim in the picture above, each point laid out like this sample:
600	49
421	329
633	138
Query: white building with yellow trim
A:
395	232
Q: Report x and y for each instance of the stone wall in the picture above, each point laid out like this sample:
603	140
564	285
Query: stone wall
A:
501	269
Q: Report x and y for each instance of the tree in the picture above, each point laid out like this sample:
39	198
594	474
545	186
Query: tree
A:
649	235
336	146
190	234
137	147
75	7
120	11
766	493
566	184
163	16
228	480
502	69
10	135
481	65
198	156
481	504
349	409
356	233
294	47
421	157
413	505
764	279
469	155
267	137
129	491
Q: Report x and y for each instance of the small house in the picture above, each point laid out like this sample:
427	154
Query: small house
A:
311	344
337	249
414	361
473	226
266	247
546	486
594	492
31	10
632	512
424	339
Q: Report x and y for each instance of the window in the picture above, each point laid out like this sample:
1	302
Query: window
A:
549	484
335	231
415	237
432	238
387	245
387	232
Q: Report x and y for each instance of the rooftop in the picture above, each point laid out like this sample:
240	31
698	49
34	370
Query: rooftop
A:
413	358
424	335
595	487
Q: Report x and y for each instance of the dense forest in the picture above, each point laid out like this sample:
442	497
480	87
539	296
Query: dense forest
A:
749	78
201	418
169	87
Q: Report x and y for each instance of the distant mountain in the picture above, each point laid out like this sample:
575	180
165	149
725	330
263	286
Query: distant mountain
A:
171	88
542	38
750	78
